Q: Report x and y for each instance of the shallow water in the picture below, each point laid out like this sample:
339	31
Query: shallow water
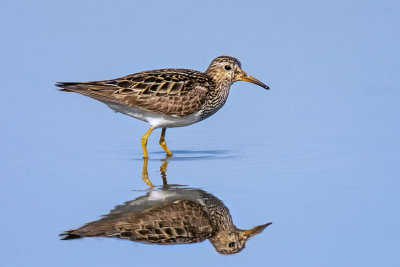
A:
317	155
333	195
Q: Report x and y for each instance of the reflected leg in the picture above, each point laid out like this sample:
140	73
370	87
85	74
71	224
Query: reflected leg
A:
163	144
163	170
144	141
145	174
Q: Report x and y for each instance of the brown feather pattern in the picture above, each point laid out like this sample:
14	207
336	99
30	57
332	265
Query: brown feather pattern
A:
168	97
181	216
175	92
182	221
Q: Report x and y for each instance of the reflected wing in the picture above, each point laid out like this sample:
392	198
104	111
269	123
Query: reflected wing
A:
159	91
181	221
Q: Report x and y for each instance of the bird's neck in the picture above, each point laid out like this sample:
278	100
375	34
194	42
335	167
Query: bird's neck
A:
220	216
217	96
221	92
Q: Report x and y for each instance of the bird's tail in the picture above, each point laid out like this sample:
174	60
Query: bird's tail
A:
97	228
70	235
99	90
70	86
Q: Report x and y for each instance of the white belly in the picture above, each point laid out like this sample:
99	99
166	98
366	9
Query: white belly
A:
156	119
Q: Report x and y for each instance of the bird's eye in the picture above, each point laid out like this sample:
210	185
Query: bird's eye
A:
231	245
227	67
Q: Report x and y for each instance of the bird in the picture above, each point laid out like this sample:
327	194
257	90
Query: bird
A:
167	98
171	215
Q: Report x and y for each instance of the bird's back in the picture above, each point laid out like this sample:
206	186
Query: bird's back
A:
173	92
177	222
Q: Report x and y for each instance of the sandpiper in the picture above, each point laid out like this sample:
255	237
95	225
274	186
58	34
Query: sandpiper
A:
167	97
168	216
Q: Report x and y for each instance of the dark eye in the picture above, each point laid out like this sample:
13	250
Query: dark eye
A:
227	67
231	245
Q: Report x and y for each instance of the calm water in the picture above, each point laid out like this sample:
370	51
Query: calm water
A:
332	198
317	155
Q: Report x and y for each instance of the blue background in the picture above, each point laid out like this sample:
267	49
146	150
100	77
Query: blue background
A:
318	154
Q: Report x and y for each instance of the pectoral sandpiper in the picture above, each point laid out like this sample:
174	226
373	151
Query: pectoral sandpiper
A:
171	215
167	97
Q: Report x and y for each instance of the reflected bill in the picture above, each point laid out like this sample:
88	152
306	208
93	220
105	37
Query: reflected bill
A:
171	215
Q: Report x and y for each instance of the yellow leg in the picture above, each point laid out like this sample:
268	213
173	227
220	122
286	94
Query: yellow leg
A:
163	144
163	170
145	174
144	141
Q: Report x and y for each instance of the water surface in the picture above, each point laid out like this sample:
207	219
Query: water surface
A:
317	155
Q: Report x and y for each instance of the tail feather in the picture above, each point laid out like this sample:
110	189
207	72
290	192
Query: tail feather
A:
96	228
74	86
64	84
69	235
68	86
96	89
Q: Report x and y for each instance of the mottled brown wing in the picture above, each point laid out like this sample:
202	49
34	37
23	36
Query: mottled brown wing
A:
175	92
182	221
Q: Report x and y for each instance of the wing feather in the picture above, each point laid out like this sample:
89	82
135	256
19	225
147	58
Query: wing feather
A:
175	92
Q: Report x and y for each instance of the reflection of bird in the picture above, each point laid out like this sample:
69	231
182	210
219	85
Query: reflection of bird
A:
171	215
167	97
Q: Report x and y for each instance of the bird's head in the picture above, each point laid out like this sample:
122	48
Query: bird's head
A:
233	241
227	69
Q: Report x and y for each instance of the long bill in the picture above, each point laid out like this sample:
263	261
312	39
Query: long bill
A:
246	234
243	76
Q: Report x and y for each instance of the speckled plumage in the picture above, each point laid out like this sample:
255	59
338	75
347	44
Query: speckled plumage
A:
171	216
174	92
167	97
